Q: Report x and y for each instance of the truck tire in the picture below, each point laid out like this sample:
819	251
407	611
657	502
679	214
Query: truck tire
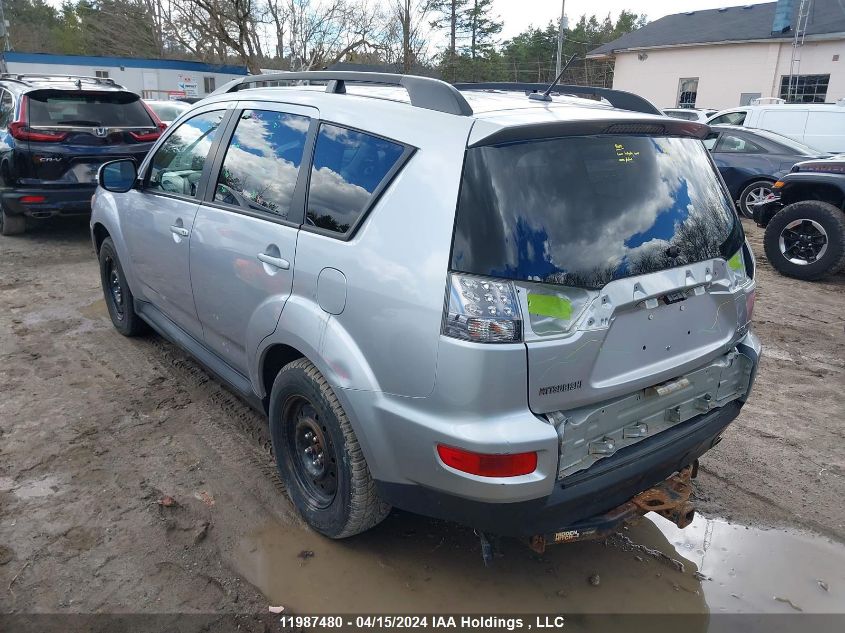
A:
11	224
755	192
118	296
318	455
806	240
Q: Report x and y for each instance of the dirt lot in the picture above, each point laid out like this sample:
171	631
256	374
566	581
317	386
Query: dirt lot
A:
95	429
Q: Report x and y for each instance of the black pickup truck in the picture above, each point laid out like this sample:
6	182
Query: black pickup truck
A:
804	219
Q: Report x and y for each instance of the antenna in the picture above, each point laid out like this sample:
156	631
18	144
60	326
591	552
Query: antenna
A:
546	96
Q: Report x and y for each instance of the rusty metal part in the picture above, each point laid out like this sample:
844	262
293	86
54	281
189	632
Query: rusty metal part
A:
670	499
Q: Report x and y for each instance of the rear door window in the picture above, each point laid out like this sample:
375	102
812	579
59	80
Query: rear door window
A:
730	118
735	144
349	169
100	109
262	162
177	165
583	211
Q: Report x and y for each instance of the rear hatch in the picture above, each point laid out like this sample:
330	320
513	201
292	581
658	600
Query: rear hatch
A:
69	134
623	250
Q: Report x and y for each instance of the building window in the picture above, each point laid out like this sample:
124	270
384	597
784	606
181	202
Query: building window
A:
209	85
805	88
101	74
687	92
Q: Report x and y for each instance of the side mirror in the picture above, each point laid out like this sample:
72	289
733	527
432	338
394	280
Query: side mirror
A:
118	176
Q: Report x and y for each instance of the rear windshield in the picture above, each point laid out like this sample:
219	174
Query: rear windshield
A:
101	109
582	211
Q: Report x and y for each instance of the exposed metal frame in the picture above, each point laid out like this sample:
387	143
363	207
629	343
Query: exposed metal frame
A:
424	92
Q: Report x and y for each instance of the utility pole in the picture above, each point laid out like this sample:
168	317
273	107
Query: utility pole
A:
560	36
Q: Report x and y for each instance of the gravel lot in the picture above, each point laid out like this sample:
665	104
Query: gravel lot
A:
95	429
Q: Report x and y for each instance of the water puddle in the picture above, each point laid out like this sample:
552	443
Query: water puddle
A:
410	564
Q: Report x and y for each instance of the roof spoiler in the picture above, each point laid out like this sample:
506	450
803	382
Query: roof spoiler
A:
617	98
424	92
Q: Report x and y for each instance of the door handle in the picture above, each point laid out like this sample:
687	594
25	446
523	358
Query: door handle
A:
276	262
181	231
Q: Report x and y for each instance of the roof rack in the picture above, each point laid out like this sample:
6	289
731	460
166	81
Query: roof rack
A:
424	92
617	98
78	79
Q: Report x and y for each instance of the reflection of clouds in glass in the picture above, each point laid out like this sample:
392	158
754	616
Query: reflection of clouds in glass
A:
331	193
262	163
575	211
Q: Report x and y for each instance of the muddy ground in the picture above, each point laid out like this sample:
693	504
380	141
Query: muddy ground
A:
95	429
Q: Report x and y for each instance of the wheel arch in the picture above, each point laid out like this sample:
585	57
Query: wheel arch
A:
822	192
99	233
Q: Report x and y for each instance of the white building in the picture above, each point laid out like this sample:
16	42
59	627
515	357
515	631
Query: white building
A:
151	78
723	58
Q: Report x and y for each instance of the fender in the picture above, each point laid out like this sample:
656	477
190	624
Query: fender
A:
105	213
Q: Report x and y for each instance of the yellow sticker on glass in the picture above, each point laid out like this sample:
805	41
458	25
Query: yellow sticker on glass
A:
549	306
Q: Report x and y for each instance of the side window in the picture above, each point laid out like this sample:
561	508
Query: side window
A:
7	108
178	162
348	168
731	118
262	162
710	141
737	145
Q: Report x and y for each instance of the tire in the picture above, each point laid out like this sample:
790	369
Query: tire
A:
118	296
804	230
11	224
758	189
335	494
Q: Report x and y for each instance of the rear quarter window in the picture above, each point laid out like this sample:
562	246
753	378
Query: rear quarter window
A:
350	168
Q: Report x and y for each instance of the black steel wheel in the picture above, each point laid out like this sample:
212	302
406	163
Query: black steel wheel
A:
119	300
313	453
318	454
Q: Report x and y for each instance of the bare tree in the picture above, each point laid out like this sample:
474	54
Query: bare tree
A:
411	16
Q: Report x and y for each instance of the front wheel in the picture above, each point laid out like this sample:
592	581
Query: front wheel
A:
318	455
118	296
806	240
755	192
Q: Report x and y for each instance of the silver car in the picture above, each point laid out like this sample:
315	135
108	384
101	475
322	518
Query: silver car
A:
528	313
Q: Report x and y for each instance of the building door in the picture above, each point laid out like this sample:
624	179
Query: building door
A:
747	97
150	84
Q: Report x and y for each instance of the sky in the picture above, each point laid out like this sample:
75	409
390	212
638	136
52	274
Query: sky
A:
520	14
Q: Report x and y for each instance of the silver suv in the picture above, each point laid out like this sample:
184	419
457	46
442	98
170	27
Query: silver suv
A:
525	312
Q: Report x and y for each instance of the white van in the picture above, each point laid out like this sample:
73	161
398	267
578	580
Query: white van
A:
819	125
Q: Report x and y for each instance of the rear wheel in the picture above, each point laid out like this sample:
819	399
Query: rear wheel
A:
11	224
806	240
318	455
118	296
755	192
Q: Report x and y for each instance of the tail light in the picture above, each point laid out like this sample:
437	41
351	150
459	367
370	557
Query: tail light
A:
19	129
482	309
32	199
488	465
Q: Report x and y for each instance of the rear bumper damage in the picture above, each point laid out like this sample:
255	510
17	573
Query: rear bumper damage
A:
581	501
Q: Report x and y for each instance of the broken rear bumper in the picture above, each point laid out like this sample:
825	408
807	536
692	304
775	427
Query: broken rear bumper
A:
582	496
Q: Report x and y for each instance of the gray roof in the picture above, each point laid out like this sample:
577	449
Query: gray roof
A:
743	23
